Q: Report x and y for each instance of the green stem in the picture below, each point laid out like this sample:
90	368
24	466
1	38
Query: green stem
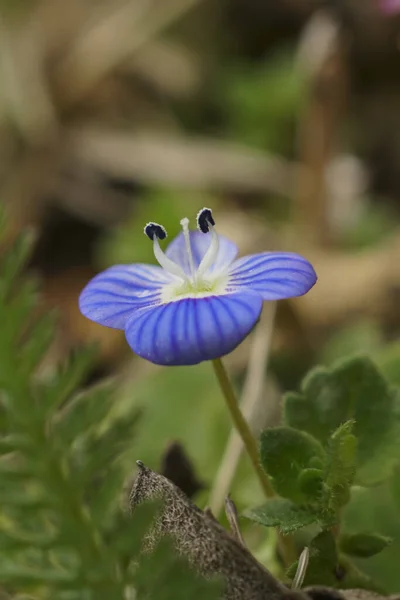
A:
251	445
242	426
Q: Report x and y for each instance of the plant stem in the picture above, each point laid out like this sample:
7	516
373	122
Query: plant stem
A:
251	445
242	426
251	398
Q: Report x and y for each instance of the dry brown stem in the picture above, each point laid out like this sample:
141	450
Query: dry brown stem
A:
182	162
318	133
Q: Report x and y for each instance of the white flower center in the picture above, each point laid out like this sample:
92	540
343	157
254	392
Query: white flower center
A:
199	282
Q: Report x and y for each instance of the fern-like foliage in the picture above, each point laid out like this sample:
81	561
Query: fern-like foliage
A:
63	535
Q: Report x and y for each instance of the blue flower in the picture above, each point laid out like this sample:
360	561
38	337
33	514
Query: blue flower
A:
201	302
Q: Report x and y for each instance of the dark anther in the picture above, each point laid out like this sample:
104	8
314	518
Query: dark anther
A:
154	229
205	219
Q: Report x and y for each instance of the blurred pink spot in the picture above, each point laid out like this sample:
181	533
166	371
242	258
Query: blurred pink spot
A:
390	7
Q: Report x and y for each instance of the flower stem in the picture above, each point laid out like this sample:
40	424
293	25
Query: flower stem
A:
251	445
242	426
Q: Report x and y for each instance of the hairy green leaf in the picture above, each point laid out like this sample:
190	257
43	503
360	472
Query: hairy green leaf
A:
341	465
363	545
311	483
352	390
285	453
282	513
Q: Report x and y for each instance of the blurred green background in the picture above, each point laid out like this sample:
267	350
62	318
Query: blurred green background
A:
284	118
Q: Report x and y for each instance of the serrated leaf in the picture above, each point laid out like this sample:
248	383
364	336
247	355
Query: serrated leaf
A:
40	337
352	390
14	317
104	495
55	532
95	453
341	465
285	453
164	576
13	262
128	531
12	442
83	412
25	576
68	378
363	545
282	513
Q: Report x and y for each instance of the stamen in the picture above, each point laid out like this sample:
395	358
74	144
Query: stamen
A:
154	229
204	220
205	223
185	226
155	232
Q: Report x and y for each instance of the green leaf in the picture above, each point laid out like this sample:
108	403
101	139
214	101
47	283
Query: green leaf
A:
94	454
341	465
282	513
14	317
322	563
395	487
387	357
285	453
351	577
163	576
311	482
29	577
64	383
41	336
62	470
363	545
13	262
84	412
128	531
351	390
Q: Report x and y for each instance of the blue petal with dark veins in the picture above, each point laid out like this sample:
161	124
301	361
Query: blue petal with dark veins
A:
112	296
273	275
191	330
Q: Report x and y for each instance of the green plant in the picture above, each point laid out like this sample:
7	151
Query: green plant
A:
341	430
63	531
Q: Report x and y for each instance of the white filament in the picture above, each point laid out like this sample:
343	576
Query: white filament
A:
211	254
185	226
165	262
195	282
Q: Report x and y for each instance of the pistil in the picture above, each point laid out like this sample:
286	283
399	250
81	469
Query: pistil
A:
194	282
185	226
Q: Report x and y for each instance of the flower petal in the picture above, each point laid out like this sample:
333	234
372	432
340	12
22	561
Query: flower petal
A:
199	243
110	298
274	275
188	331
